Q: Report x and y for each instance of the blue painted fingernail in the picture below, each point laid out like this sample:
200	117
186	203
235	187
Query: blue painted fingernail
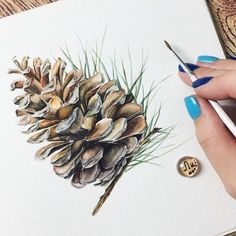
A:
192	107
192	67
207	59
200	82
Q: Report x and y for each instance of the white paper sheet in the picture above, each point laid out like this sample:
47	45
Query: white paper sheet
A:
149	200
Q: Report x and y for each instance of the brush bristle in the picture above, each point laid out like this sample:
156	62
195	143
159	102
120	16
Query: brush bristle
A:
167	45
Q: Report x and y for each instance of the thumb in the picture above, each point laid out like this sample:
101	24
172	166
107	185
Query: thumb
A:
217	142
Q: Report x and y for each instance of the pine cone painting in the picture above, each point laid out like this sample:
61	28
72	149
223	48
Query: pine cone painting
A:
93	127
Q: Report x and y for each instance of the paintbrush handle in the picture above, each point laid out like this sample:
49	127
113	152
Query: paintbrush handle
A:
224	117
219	110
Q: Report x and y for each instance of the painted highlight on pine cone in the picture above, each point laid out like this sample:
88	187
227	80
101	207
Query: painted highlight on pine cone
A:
94	127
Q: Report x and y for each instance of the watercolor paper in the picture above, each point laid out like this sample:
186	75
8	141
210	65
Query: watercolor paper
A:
149	199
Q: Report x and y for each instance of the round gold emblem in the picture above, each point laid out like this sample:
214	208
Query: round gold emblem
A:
188	166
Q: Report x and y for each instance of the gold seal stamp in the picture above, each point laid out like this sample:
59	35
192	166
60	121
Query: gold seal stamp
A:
188	166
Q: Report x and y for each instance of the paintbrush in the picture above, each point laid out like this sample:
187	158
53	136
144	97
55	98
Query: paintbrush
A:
219	110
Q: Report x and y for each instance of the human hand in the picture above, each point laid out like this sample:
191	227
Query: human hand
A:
217	81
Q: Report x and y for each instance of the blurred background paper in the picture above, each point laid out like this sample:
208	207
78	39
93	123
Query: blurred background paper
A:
149	200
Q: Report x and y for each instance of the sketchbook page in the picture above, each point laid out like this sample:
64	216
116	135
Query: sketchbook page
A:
148	200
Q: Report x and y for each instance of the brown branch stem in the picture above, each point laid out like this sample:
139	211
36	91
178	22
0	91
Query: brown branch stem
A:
109	189
111	186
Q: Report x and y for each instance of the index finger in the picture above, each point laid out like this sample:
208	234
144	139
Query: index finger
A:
221	64
219	87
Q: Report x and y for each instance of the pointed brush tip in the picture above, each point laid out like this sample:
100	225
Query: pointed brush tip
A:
167	45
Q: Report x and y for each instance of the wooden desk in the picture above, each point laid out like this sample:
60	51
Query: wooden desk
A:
224	16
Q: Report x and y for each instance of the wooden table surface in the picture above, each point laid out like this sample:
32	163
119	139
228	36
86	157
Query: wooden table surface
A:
223	13
224	16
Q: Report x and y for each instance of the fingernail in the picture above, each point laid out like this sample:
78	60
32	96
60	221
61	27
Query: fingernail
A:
200	82
232	57
192	67
207	59
192	107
